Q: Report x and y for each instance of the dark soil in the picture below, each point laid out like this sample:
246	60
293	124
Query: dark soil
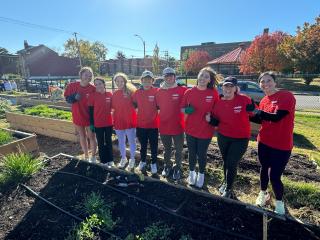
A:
25	217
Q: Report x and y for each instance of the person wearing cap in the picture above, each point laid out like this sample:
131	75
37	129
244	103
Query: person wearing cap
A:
99	103
275	138
171	125
196	103
231	115
77	94
124	119
144	100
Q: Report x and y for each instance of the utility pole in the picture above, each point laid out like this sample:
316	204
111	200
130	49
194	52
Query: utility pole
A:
79	54
144	48
166	57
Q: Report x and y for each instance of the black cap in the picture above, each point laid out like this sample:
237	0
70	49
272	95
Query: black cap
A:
230	80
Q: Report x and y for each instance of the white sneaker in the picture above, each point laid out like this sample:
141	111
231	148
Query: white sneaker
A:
122	163
192	178
280	208
131	164
142	165
154	169
262	199
222	188
200	180
93	159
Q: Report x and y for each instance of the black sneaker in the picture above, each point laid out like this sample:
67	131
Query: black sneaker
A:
176	174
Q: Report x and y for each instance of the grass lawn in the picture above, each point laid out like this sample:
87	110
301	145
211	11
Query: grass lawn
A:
297	84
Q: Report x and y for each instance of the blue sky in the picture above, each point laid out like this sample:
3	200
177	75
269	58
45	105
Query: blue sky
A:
170	23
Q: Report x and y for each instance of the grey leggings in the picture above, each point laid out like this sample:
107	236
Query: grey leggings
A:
232	150
178	144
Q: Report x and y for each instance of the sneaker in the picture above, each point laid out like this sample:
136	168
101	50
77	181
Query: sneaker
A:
227	193
280	208
165	171
122	163
131	164
200	180
222	188
93	159
110	164
154	169
176	174
262	199
192	178
142	166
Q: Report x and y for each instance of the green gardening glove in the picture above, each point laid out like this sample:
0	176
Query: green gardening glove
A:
92	128
189	109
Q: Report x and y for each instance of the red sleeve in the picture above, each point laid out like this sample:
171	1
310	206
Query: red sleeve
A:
68	90
91	99
287	102
184	101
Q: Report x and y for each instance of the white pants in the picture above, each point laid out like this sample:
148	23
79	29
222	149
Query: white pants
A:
131	135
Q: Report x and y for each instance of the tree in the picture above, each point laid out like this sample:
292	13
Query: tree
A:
120	55
172	62
91	53
304	49
263	54
196	61
156	60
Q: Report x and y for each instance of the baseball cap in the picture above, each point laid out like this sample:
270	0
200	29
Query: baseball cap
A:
230	80
168	70
147	73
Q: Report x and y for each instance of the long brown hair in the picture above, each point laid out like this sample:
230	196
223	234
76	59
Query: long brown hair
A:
214	77
128	88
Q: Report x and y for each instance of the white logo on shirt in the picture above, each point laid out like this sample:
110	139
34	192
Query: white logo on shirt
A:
108	99
151	98
175	96
209	98
237	109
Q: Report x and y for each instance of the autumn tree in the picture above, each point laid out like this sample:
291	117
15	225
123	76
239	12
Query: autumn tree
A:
91	53
263	54
196	61
304	49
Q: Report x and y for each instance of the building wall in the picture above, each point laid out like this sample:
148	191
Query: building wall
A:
215	50
226	69
9	64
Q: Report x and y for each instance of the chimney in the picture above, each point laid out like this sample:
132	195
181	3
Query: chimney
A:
26	45
266	31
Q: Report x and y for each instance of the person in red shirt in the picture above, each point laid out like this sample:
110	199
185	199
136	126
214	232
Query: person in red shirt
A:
148	120
196	103
125	119
77	94
101	120
231	115
275	139
171	126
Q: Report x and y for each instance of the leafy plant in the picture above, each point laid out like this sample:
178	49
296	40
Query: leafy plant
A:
85	229
5	105
17	167
5	137
157	231
45	111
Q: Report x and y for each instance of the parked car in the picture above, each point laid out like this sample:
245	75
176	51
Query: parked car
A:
248	88
158	81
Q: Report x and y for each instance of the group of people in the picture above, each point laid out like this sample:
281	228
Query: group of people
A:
177	113
8	85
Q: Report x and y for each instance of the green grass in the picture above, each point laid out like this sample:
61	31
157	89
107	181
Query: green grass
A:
299	194
16	167
297	84
45	111
5	137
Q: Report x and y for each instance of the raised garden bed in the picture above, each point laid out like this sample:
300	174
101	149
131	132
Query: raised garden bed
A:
66	182
36	101
50	127
15	97
21	141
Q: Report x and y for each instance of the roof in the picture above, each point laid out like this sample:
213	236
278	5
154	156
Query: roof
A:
233	57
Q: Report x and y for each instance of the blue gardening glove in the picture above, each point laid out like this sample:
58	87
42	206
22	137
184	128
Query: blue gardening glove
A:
77	96
73	98
92	128
189	109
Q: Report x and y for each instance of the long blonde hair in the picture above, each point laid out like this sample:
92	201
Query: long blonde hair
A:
128	88
214	77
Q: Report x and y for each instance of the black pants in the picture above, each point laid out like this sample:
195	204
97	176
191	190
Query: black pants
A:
232	150
104	138
273	162
150	135
197	151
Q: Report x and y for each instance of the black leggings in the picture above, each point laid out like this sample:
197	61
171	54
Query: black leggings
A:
273	162
104	138
197	152
150	135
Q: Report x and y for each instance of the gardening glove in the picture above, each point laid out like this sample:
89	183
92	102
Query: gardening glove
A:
189	109
77	96
92	128
251	107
